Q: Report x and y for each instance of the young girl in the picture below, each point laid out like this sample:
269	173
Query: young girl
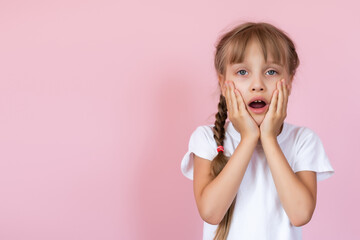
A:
255	176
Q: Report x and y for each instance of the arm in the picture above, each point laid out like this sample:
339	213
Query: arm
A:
214	195
297	192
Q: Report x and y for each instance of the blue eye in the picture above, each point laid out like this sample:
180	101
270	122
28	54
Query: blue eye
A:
241	72
272	71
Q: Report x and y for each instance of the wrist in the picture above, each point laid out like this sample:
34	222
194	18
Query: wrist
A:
268	138
251	139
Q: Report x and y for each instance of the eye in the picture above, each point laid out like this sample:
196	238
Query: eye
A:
272	72
242	72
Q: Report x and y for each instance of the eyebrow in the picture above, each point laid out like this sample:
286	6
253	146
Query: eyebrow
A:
245	63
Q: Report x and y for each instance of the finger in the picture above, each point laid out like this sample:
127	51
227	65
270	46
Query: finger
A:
273	103
228	100
240	100
233	97
279	107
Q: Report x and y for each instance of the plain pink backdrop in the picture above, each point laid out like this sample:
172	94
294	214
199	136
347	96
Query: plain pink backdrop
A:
98	100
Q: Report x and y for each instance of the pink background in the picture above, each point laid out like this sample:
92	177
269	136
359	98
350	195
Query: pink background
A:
98	100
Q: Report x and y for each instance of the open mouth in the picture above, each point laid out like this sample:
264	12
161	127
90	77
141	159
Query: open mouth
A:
257	104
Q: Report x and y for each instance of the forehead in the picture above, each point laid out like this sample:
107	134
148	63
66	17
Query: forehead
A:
272	50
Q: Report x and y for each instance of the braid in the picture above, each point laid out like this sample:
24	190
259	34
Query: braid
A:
221	116
218	163
219	135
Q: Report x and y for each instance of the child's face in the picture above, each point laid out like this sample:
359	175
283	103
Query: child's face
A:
256	78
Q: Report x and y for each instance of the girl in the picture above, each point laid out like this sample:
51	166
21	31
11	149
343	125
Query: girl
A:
255	176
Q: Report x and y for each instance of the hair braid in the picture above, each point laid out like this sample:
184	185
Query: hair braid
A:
219	163
221	116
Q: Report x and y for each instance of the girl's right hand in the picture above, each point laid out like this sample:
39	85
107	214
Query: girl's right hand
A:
238	114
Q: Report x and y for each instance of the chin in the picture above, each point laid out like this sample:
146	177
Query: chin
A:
259	119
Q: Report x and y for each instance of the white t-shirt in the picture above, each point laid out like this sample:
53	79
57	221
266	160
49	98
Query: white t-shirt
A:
258	212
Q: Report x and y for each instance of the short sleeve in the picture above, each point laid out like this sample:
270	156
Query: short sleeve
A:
311	156
203	144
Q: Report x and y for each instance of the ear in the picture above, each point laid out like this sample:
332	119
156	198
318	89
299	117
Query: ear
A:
221	83
290	84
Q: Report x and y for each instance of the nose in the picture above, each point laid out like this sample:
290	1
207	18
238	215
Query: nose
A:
257	84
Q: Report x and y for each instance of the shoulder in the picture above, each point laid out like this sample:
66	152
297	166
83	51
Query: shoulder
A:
305	139
202	144
310	154
203	133
205	129
301	133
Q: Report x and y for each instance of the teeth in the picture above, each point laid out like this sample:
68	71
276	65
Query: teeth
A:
258	101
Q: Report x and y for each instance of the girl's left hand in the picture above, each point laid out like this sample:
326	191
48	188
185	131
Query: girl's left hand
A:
276	114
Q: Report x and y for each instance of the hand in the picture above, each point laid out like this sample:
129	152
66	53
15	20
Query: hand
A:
238	114
276	114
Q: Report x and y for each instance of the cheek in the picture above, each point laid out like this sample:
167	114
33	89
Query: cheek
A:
243	93
272	86
241	88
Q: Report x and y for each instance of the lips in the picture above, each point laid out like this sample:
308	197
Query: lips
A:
258	108
256	99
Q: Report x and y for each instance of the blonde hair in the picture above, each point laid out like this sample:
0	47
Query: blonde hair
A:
230	49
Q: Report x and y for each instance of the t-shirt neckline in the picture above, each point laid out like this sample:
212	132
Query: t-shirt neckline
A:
231	129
